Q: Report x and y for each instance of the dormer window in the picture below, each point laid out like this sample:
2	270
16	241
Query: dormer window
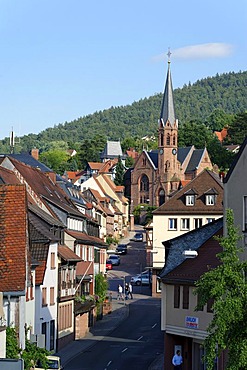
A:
190	197
190	200
210	200
210	197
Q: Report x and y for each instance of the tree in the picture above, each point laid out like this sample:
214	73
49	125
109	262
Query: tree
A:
238	129
227	286
31	354
218	119
119	178
12	348
56	159
101	286
129	162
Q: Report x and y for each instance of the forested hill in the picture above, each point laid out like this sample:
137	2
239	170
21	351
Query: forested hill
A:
193	102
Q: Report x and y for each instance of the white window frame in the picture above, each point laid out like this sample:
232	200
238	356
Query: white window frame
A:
185	224
84	253
90	253
210	200
198	222
190	200
172	224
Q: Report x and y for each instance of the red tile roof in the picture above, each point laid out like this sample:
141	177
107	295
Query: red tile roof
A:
84	238
13	237
67	254
221	134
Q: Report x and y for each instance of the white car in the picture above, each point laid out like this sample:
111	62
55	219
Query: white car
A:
145	278
53	363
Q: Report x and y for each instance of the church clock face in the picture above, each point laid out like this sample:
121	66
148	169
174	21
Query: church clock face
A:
161	151
174	151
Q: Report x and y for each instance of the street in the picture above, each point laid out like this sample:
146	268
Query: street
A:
134	344
138	340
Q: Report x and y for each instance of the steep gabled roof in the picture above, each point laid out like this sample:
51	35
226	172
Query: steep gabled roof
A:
112	149
67	254
86	239
236	159
199	186
178	268
28	159
43	187
195	160
14	250
95	165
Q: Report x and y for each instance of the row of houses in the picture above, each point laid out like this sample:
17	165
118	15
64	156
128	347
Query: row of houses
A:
52	245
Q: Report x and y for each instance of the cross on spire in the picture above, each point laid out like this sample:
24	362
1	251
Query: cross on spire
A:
169	55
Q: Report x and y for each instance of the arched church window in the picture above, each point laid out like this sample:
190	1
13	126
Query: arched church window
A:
167	165
162	139
161	197
144	162
174	139
144	183
168	139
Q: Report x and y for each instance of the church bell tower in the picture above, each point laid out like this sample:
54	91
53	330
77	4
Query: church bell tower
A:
168	165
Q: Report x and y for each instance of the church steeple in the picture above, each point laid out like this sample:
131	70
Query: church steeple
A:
167	108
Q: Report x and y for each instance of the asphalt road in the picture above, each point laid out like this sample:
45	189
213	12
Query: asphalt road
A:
138	340
135	344
131	264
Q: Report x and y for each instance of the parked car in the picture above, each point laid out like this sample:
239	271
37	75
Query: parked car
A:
108	264
121	249
138	237
115	259
145	278
53	363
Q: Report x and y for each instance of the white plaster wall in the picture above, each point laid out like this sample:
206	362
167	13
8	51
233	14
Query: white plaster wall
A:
30	311
162	233
49	312
173	319
3	344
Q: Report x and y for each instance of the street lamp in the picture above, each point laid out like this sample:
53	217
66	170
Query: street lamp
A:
124	292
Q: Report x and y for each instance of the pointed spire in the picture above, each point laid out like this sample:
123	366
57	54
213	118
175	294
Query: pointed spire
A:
167	109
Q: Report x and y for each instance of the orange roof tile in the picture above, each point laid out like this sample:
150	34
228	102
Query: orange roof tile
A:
13	237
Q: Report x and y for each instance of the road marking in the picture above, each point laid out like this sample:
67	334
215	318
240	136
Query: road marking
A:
124	350
140	337
154	325
109	363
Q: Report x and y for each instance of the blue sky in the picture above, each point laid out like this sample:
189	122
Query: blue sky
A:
61	60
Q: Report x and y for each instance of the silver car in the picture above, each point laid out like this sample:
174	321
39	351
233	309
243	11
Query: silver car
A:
144	278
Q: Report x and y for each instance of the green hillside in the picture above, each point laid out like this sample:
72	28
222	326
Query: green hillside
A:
193	102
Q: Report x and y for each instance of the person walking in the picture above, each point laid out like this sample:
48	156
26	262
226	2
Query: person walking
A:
120	292
177	361
126	290
130	291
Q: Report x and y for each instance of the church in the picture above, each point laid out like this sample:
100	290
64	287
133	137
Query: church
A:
158	173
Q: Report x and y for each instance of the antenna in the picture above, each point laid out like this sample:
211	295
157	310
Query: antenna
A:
12	141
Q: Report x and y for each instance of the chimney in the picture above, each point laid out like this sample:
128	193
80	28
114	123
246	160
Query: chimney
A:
35	153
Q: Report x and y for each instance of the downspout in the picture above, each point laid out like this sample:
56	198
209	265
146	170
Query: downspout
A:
8	311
